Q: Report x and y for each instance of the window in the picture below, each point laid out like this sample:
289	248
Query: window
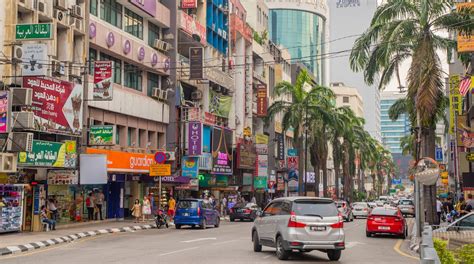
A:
273	209
154	32
467	223
111	11
311	207
93	7
132	77
154	81
345	99
133	24
92	58
285	208
117	66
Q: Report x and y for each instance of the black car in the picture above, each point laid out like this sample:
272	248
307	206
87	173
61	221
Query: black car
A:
244	211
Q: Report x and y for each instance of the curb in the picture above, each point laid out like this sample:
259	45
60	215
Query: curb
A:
64	239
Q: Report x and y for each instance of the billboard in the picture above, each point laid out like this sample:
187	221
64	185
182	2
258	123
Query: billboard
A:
222	151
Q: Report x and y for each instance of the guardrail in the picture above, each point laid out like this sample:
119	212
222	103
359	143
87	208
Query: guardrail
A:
428	253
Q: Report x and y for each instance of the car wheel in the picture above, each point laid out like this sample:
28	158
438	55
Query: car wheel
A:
334	254
352	217
256	243
177	226
204	224
281	253
355	217
218	222
368	234
232	219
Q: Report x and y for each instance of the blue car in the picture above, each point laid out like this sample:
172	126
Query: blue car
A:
196	212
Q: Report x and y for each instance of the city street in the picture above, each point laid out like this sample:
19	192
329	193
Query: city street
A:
230	243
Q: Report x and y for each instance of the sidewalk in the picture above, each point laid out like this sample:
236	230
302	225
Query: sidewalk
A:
24	241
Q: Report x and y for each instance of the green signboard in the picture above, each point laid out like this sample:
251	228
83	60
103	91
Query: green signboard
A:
260	182
102	135
50	154
34	31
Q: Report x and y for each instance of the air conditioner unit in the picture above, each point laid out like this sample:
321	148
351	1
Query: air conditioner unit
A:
20	142
76	11
79	25
59	15
8	162
60	4
196	95
57	67
17	53
41	6
23	120
29	4
163	95
22	96
44	8
156	93
161	45
72	21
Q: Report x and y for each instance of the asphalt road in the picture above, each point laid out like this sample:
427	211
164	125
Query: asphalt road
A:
230	243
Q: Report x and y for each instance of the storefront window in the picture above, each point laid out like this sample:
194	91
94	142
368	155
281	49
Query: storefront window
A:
133	24
117	66
11	208
111	11
133	77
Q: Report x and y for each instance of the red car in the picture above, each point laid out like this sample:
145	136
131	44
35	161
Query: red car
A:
386	221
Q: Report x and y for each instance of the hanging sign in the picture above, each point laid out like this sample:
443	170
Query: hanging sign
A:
190	167
262	100
194	138
160	170
103	81
102	135
222	151
34	61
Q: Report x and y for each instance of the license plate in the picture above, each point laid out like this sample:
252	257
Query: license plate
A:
185	214
239	211
317	228
358	209
378	219
384	227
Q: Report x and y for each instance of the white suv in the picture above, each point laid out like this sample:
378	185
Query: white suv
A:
300	223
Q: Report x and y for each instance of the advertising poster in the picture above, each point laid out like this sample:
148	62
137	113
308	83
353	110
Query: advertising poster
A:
206	139
194	138
4	112
34	59
102	135
262	165
103	80
222	151
219	104
188	4
246	156
190	167
260	182
57	104
293	180
280	141
262	100
62	177
50	154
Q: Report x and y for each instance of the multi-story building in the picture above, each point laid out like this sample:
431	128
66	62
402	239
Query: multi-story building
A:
348	96
308	44
347	21
393	131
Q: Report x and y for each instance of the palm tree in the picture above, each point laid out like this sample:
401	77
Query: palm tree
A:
296	114
402	29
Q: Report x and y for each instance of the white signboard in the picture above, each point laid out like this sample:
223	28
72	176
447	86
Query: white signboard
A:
62	177
34	59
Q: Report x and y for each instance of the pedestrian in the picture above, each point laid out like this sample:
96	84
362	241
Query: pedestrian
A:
439	209
90	207
146	208
45	219
461	206
254	200
224	206
152	201
448	206
52	208
136	210
171	207
99	201
470	201
468	205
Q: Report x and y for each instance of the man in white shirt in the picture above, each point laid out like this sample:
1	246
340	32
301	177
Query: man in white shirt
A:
439	209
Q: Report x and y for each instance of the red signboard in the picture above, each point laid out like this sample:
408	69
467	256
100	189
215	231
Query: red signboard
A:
209	118
192	26
102	80
292	162
237	24
57	104
188	4
262	100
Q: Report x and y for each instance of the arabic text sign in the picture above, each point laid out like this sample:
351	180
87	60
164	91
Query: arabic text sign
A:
50	154
34	31
103	80
102	135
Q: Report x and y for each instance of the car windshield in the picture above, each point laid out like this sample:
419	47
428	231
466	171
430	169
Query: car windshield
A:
187	204
309	208
406	202
384	211
250	205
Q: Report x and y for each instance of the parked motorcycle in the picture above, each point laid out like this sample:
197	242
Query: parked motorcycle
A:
161	219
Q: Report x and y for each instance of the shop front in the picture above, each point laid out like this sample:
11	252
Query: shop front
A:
246	159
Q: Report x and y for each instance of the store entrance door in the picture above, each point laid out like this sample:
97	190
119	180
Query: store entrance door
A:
115	201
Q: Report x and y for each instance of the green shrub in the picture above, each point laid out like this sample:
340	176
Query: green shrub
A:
465	255
445	256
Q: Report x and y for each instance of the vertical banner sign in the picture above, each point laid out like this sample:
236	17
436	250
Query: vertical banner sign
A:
455	100
262	100
465	41
194	138
188	4
280	146
5	112
196	63
34	59
222	151
262	165
103	80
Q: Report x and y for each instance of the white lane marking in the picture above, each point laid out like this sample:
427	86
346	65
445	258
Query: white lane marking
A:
353	244
199	239
177	251
224	242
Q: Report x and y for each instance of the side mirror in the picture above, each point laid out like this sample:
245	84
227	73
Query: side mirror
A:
260	214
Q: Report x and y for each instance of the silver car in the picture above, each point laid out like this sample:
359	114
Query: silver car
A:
407	207
300	223
360	209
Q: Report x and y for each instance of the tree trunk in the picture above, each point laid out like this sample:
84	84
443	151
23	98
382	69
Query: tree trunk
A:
345	171
389	181
316	163
301	157
429	192
336	177
324	167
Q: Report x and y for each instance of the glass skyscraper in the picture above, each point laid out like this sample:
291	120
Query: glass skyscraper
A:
392	131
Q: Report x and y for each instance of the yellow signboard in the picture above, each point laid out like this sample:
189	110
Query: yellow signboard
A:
160	170
444	175
455	100
465	42
261	139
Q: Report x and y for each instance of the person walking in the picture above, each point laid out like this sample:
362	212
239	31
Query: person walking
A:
439	210
99	202
90	206
136	210
171	207
224	206
461	206
45	219
470	201
52	208
146	208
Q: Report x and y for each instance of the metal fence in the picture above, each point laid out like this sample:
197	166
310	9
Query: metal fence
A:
428	253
